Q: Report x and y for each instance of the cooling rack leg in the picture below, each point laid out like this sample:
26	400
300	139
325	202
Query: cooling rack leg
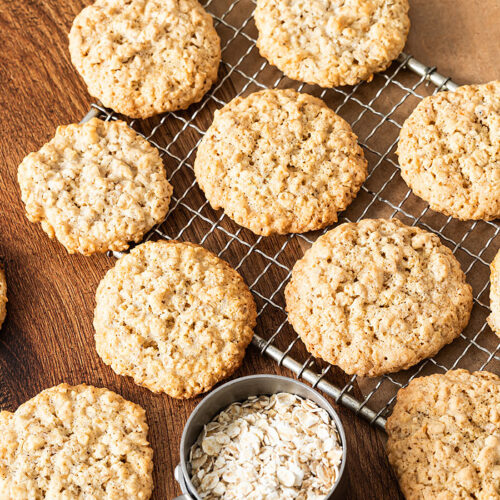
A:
317	380
433	76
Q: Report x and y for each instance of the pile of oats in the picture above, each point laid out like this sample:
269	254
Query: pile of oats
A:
277	447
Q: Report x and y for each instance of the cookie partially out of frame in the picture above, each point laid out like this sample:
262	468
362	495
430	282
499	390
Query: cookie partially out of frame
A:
95	186
75	442
3	295
377	296
449	151
144	57
444	437
174	317
331	42
494	317
279	161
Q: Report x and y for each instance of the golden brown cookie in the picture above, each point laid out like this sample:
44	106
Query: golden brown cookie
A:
494	317
73	443
331	42
144	57
95	186
444	437
377	296
449	151
174	317
279	161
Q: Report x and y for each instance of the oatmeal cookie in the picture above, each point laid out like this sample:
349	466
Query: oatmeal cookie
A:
332	42
144	57
174	317
449	151
444	437
494	317
74	443
95	186
279	161
267	447
377	296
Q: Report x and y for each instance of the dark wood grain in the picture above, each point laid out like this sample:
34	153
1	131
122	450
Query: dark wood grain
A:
48	334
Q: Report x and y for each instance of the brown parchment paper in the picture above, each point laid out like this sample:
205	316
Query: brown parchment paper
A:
462	39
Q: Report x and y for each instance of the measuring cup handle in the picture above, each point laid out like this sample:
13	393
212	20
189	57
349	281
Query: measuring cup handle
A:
180	480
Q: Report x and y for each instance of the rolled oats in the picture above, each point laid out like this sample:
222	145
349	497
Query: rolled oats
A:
267	447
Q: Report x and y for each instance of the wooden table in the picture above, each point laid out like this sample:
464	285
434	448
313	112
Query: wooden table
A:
48	335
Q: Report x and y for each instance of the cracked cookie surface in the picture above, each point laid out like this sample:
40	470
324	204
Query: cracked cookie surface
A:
144	57
280	161
334	42
377	296
95	186
75	442
444	437
174	317
494	317
449	151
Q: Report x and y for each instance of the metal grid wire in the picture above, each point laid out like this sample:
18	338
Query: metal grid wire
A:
376	111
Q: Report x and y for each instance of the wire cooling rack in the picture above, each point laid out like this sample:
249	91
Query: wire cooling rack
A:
376	111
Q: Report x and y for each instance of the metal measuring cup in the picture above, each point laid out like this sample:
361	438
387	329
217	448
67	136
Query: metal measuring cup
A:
240	390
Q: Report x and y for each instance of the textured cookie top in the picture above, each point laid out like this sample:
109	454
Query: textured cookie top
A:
75	443
444	437
3	295
494	317
449	151
95	186
174	317
143	57
331	42
279	161
377	296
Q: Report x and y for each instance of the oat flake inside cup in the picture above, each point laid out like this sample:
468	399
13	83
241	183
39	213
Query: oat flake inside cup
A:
240	390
